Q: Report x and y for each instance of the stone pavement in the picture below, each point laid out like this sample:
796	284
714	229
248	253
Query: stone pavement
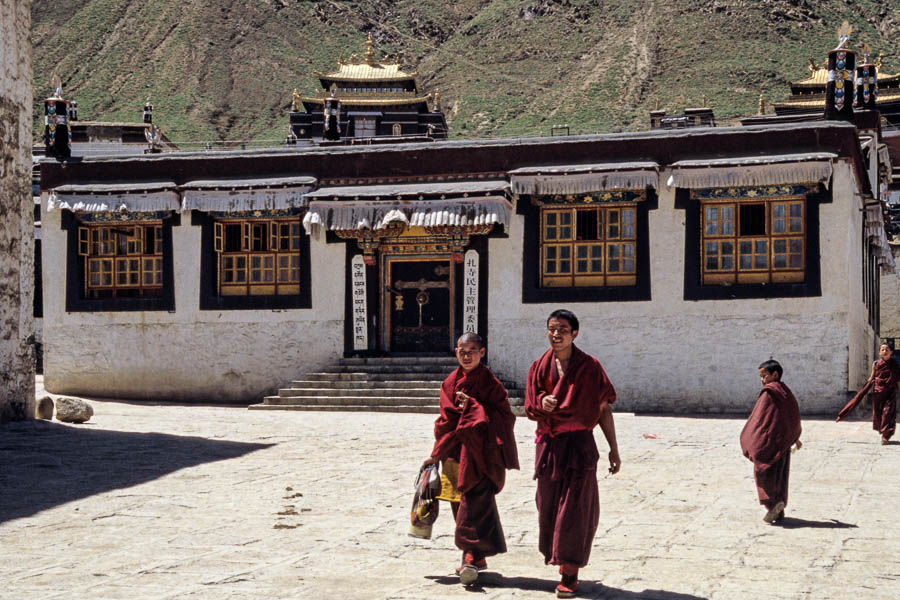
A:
218	502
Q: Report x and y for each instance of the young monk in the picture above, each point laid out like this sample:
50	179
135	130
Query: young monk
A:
568	394
883	384
771	430
475	428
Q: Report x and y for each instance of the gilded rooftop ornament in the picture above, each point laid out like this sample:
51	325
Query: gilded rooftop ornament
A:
843	33
866	55
56	86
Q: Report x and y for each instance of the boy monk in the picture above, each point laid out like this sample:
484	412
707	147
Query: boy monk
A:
568	394
883	383
475	428
772	428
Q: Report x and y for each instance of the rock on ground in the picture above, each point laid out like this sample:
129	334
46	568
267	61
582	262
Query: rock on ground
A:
43	409
72	410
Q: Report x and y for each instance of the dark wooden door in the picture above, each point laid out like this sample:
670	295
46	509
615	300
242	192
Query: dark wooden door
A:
418	303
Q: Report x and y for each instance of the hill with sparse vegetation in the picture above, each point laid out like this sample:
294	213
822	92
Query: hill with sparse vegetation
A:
225	70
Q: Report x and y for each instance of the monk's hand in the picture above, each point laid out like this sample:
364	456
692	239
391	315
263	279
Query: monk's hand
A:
799	445
614	462
428	462
548	403
461	399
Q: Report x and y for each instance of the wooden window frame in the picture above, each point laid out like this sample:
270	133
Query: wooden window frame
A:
261	240
559	231
741	272
110	251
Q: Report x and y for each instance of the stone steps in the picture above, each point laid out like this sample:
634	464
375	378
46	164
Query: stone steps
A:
384	384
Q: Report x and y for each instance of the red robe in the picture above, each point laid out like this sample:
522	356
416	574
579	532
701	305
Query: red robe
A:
481	436
883	385
772	428
566	456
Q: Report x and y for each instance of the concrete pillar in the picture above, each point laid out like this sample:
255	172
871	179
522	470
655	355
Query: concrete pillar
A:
16	214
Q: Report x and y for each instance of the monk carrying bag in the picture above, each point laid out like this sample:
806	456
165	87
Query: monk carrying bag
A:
425	503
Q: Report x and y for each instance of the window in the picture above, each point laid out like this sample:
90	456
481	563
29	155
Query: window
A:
257	257
591	246
753	241
122	260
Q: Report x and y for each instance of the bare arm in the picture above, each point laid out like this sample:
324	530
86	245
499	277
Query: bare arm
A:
608	426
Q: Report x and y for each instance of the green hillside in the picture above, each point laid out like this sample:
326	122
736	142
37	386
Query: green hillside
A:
225	70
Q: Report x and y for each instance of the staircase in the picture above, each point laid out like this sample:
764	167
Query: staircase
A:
385	384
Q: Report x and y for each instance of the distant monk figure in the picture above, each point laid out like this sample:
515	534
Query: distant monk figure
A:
767	437
568	394
475	434
883	384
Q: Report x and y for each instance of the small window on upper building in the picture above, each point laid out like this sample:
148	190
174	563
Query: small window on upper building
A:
753	241
257	257
588	246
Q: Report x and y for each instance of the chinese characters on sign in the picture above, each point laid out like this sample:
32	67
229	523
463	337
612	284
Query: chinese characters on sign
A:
470	292
360	314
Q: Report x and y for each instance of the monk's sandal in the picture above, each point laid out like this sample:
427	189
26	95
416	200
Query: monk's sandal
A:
468	571
568	586
773	513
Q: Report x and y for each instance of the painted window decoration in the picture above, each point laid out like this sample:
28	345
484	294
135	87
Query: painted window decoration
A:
122	260
588	246
257	257
758	240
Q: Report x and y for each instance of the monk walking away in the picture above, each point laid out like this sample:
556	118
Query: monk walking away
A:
475	434
771	430
882	386
568	394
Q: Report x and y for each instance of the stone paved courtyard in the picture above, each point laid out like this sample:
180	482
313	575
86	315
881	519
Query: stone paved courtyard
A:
217	502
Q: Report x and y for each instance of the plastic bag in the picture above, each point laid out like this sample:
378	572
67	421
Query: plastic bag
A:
425	504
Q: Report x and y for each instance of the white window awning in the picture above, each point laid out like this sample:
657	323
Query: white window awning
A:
811	167
584	178
149	196
412	190
875	234
235	195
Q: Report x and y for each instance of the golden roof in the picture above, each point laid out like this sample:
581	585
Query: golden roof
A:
368	69
381	100
818	100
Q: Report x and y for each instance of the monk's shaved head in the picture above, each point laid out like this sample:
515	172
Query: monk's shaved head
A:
470	338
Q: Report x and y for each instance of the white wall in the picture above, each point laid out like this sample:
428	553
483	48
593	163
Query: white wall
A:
676	355
890	299
221	356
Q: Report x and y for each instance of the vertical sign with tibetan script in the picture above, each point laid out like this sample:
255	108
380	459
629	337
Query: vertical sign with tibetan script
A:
358	303
470	292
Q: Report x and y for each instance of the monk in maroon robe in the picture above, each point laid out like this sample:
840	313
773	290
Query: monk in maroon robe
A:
772	428
568	394
883	384
476	428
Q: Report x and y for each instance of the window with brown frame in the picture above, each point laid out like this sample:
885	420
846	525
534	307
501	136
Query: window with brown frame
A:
588	246
122	260
257	257
753	241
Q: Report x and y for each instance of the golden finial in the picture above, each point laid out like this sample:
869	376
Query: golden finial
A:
762	105
56	86
295	102
703	100
866	54
437	101
370	51
657	104
341	59
879	60
812	66
843	34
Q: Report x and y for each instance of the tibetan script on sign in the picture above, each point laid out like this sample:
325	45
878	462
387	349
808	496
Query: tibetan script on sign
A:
358	303
470	292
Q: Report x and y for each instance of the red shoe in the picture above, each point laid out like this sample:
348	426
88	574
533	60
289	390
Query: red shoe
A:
468	570
568	586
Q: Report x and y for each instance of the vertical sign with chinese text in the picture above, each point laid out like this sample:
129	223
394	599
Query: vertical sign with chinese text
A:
358	303
470	292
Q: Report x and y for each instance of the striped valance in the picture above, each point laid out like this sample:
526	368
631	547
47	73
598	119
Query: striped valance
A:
148	196
584	178
815	167
235	195
874	229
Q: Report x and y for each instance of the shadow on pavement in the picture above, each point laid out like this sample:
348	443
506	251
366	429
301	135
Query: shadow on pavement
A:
45	464
794	523
586	588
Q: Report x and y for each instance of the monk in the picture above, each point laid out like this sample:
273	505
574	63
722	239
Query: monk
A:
771	430
475	429
568	394
883	383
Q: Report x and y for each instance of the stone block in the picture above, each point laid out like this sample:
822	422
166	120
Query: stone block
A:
44	408
72	410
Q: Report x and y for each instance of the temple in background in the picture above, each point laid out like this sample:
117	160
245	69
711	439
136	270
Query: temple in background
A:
364	100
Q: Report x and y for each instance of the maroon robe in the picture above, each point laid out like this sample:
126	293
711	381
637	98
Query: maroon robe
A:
883	385
772	428
480	435
566	455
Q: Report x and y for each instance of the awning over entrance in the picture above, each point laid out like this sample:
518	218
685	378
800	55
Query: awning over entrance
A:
148	196
461	204
812	167
584	178
235	195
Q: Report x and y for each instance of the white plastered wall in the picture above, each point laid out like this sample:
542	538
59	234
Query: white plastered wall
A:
188	354
669	354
